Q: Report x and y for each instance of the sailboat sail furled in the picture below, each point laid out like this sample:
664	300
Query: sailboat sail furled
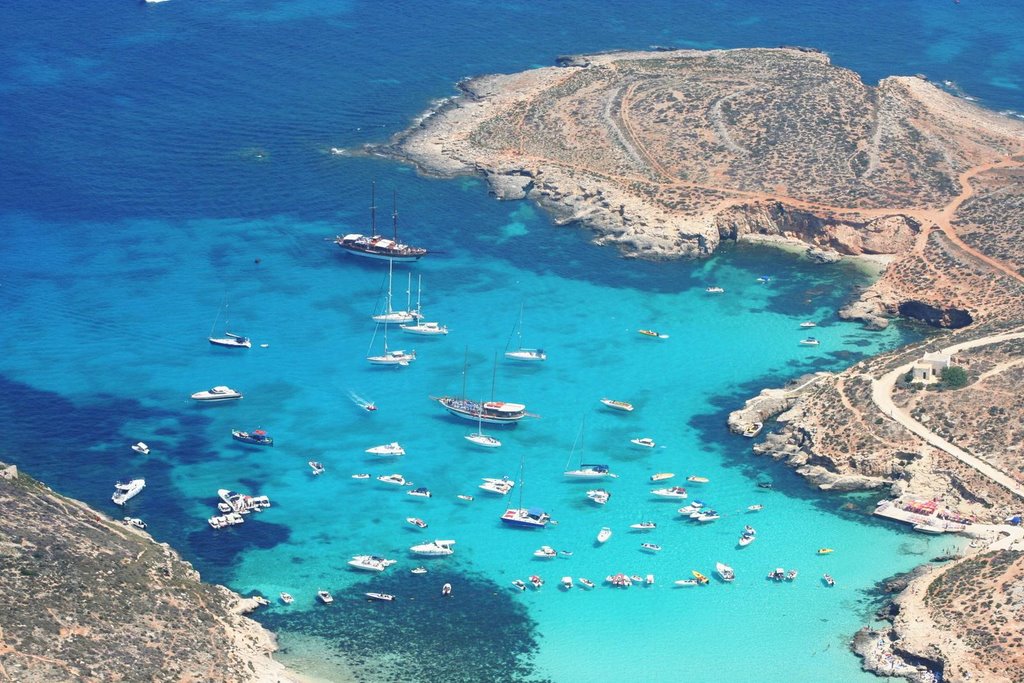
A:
521	353
421	327
377	246
525	518
232	341
395	358
389	315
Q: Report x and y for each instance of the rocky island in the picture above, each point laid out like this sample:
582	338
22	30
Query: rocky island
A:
666	154
84	598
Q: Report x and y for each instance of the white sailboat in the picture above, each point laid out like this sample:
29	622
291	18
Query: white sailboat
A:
520	353
229	340
421	327
390	315
584	470
479	438
526	518
393	358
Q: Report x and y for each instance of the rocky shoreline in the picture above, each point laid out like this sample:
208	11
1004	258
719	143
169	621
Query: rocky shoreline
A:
112	600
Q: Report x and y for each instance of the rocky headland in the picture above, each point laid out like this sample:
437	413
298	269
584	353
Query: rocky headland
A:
665	154
85	598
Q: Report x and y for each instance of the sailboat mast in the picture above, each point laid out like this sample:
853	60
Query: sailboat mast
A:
373	208
394	213
494	374
465	362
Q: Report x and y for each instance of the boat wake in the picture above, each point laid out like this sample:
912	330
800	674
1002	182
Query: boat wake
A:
368	406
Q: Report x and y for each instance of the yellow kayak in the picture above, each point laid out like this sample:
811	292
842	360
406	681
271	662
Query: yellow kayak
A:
824	551
700	577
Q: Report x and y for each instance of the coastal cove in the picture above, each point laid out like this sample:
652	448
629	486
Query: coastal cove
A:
199	180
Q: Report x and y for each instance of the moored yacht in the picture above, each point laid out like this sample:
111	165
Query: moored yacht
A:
545	552
231	341
498	486
217	393
127	489
617	405
724	571
490	412
392	448
643	526
671	492
370	563
397	479
421	492
604	534
809	341
377	246
527	518
650	547
141	448
599	496
590	471
257	437
433	549
643	442
485	440
317	467
324	597
425	329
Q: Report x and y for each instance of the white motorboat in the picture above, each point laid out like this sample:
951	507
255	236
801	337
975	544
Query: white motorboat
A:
708	516
685	583
777	574
536	581
643	442
140	448
361	475
520	353
694	506
755	508
370	563
604	534
416	521
324	597
286	598
714	290
746	539
650	547
317	467
520	584
809	341
617	405
725	571
546	552
566	582
383	597
217	393
643	526
433	549
418	570
753	429
654	334
829	581
396	479
693	478
135	522
126	489
498	486
599	496
791	575
661	476
808	323
671	492
586	583
421	492
590	471
392	448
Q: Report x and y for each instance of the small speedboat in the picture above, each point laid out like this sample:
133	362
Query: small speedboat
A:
566	582
518	583
383	597
257	437
260	600
689	510
618	405
697	480
777	574
671	492
361	476
650	547
545	552
317	467
824	551
140	448
446	589
707	516
725	571
586	583
765	485
416	521
396	479
662	476
324	597
809	341
643	526
604	534
808	323
286	598
418	570
433	549
764	279
536	581
791	575
126	489
714	290
643	442
462	496
754	508
686	582
829	581
753	429
218	393
421	492
392	448
599	496
746	539
653	334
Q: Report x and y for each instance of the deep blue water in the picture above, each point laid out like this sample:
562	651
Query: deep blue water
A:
163	162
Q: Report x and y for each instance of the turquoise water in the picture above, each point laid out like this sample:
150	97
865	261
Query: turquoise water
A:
167	167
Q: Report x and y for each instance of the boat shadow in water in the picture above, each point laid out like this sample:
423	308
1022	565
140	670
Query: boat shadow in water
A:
480	628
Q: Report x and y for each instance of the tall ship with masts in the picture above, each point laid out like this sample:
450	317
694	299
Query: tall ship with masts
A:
486	412
377	246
